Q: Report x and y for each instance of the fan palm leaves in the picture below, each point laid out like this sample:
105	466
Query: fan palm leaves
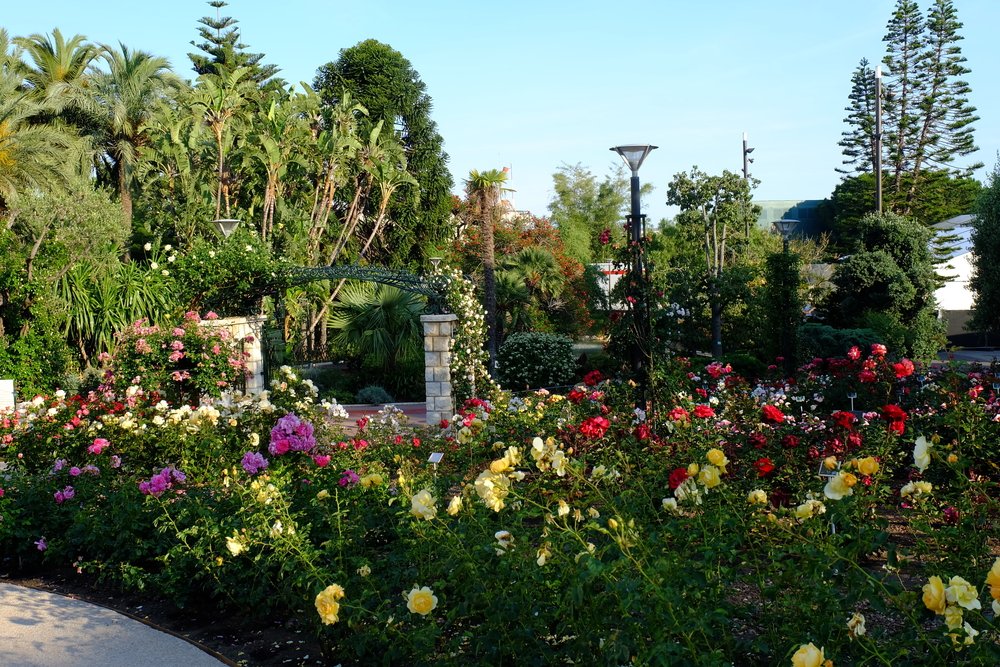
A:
380	323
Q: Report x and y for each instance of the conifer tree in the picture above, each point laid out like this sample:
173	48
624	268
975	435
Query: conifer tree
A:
904	41
222	49
858	140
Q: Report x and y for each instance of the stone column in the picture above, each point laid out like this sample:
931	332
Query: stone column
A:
248	330
437	366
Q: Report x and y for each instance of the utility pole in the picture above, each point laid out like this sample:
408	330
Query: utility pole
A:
878	139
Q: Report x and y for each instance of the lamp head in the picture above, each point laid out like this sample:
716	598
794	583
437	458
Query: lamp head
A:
785	227
633	155
226	226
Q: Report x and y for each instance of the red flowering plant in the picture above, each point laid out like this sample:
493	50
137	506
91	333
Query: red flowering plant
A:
181	361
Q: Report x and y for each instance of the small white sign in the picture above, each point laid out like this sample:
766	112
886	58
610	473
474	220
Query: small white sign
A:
436	457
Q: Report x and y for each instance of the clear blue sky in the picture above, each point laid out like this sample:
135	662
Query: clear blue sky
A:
533	85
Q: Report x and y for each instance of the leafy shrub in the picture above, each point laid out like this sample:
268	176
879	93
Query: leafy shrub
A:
536	360
373	394
821	340
187	358
38	362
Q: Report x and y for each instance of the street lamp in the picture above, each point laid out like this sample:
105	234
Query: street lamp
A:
789	311
634	155
226	226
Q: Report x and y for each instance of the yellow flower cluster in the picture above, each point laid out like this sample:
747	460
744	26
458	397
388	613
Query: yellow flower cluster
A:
265	492
493	484
993	581
328	603
840	485
548	455
950	601
916	489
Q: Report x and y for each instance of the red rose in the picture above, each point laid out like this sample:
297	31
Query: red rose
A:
678	414
764	466
575	396
703	411
854	353
790	441
844	419
642	432
772	415
893	413
903	368
594	427
758	440
592	378
867	376
677	477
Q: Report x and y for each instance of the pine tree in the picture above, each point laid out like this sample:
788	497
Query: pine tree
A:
224	49
904	87
946	125
858	142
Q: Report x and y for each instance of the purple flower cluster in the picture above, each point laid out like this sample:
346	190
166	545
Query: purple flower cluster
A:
348	478
254	462
291	434
64	495
161	481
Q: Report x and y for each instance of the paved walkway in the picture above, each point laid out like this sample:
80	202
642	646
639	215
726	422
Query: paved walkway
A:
42	629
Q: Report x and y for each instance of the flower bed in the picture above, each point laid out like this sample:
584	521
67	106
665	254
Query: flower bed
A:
737	524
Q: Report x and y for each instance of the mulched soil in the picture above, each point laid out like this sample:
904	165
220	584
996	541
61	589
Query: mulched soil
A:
278	642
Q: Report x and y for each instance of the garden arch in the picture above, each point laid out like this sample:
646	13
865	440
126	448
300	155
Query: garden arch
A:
438	324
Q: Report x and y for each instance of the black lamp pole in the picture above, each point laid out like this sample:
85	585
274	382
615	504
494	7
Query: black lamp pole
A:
641	350
788	315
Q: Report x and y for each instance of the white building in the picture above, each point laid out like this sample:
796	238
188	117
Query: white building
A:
954	298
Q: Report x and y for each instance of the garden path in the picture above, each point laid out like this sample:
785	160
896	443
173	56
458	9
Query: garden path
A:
416	412
42	629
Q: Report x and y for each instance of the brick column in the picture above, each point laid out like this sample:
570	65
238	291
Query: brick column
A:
437	366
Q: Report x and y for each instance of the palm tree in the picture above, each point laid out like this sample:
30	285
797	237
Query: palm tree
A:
126	97
483	192
220	99
58	73
31	156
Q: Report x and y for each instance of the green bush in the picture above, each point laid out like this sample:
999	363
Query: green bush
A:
373	394
821	340
529	360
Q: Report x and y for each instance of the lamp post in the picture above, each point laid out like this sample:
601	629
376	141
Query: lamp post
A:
641	351
226	226
789	311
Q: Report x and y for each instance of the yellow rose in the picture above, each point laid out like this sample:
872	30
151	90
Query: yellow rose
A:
500	465
921	454
323	495
934	595
840	486
421	601
422	505
709	477
953	618
868	466
455	506
953	458
856	625
830	463
993	576
808	656
962	593
328	605
370	480
235	545
717	458
543	555
757	497
693	470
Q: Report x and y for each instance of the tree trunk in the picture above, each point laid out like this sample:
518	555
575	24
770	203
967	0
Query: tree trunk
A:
716	305
124	194
490	292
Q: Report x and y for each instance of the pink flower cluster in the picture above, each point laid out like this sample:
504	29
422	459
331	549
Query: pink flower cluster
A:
254	462
291	434
161	481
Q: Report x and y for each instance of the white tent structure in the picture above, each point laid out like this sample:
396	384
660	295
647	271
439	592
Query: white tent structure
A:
954	298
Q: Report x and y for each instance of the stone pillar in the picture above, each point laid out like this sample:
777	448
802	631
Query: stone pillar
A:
437	366
249	331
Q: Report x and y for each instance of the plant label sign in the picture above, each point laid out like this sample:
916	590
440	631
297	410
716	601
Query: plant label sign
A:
436	457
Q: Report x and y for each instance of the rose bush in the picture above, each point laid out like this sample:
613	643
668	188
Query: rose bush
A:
734	523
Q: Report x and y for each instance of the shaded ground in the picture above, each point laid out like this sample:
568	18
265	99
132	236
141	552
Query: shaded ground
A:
279	642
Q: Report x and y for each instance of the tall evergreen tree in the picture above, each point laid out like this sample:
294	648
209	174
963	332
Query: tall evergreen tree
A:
858	140
385	83
222	49
905	84
946	116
